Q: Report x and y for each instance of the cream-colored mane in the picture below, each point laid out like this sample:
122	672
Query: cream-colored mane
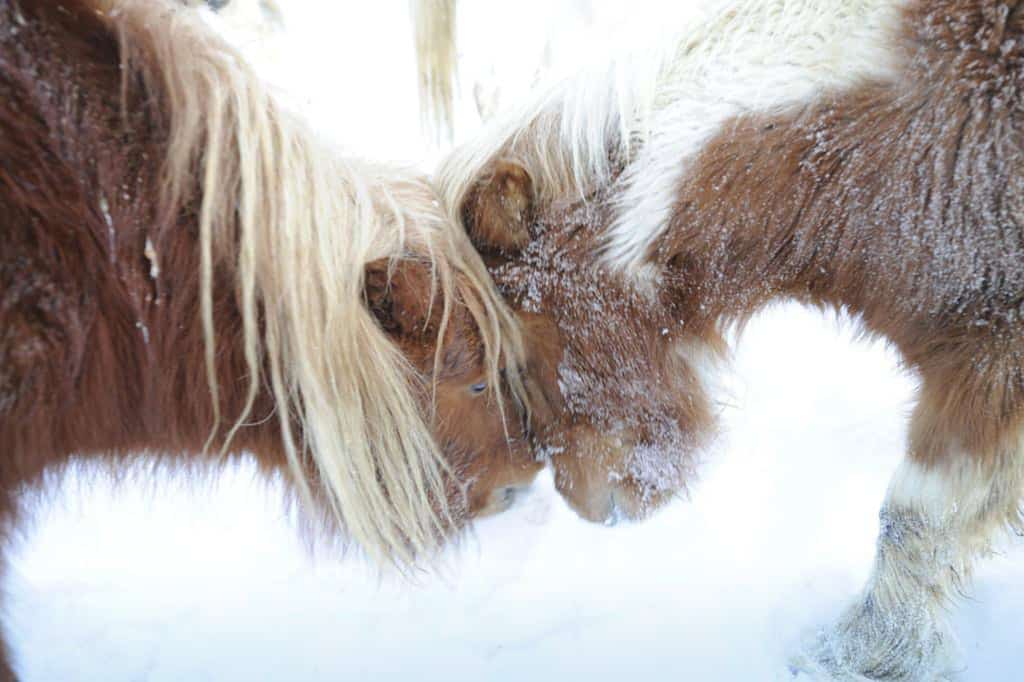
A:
630	122
299	224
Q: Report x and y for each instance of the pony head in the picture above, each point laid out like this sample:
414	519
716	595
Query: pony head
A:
618	403
484	448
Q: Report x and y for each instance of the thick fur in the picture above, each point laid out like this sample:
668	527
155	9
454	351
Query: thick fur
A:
866	158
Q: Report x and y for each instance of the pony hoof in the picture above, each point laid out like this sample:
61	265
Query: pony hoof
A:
807	666
826	656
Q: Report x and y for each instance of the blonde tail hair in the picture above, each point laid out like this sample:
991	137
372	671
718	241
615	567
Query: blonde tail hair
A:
436	64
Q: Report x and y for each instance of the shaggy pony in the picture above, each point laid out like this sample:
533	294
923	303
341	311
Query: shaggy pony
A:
862	155
189	272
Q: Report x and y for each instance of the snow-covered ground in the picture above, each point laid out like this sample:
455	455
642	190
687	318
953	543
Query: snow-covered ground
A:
778	535
167	582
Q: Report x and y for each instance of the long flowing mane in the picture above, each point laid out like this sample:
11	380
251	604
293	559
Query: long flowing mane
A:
297	224
646	107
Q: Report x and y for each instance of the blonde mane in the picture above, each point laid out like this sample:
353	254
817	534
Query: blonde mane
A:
571	137
297	224
628	123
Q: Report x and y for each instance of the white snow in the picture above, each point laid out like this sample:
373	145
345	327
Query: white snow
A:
170	583
214	585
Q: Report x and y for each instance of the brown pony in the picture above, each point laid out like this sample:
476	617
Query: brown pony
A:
188	273
863	155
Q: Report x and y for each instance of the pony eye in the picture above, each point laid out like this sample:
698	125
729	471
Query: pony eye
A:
476	389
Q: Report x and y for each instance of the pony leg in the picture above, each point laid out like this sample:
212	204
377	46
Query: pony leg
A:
941	511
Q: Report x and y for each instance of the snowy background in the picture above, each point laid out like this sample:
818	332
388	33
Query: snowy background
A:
173	582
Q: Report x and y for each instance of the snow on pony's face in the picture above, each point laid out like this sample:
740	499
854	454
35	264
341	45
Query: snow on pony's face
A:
617	407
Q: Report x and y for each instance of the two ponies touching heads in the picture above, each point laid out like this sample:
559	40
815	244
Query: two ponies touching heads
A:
190	274
859	155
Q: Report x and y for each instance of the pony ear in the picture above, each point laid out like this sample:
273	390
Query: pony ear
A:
499	209
398	293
